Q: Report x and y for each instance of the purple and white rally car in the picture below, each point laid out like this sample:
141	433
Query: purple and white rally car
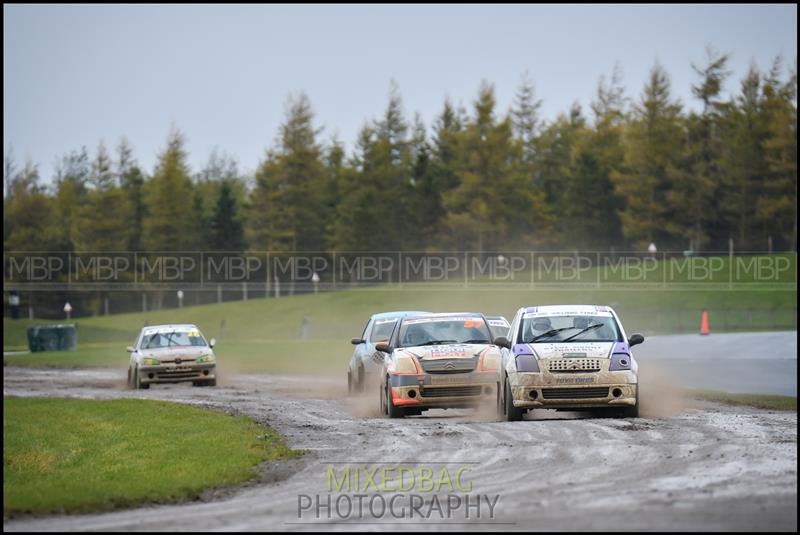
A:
568	357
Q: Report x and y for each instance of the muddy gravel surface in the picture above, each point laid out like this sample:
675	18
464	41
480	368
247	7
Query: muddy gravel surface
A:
679	467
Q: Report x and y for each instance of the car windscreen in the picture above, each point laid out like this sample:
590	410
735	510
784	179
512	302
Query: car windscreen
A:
163	339
498	327
382	330
564	328
446	330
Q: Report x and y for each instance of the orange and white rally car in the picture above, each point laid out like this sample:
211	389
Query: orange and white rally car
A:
438	361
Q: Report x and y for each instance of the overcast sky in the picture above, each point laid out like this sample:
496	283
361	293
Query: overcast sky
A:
73	75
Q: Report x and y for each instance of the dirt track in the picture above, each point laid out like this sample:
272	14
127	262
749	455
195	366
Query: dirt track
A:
706	467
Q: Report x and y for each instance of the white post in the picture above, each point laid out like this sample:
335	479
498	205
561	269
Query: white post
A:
315	280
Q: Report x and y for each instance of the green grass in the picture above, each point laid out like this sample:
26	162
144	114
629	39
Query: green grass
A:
759	401
75	455
264	334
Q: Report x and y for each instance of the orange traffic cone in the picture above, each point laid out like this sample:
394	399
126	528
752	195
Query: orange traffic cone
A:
704	322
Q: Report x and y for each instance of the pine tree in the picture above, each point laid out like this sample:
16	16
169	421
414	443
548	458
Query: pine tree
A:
556	146
494	203
694	174
426	200
72	175
288	204
590	205
654	140
742	161
603	152
377	205
227	230
170	224
526	120
101	226
776	205
30	222
358	221
132	182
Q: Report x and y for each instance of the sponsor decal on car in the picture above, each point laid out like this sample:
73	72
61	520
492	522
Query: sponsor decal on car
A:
450	379
575	380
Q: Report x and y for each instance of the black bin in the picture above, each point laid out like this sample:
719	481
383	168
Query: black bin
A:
61	337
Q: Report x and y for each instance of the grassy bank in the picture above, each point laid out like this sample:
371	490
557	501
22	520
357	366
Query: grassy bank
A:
759	401
265	334
86	455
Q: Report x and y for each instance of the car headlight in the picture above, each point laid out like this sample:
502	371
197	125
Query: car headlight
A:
205	358
149	361
405	364
490	361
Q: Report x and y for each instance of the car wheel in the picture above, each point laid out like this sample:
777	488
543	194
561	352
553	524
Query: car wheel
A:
632	412
511	413
382	395
360	384
499	393
130	378
138	381
349	382
211	382
391	410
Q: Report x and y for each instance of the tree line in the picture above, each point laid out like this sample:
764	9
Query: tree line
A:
626	172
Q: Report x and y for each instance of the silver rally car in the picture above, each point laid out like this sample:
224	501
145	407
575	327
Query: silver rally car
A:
568	357
171	354
365	364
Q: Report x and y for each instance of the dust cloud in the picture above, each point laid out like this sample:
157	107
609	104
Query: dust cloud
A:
660	395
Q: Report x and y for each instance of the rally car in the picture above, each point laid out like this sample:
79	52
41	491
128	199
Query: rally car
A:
438	361
365	364
570	357
171	354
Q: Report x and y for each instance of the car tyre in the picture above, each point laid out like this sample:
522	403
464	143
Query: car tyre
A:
632	412
360	384
138	381
382	396
391	410
510	412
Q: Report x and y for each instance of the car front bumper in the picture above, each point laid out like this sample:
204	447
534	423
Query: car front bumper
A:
177	374
576	391
443	391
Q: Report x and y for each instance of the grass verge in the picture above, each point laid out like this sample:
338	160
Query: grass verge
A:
759	401
310	333
72	455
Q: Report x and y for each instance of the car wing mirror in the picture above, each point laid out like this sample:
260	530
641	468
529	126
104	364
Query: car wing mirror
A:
635	339
502	341
383	347
212	343
130	349
356	341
